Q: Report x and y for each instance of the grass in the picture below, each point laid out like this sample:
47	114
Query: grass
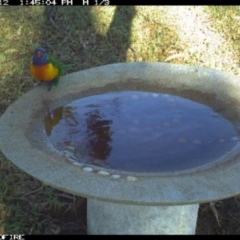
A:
93	36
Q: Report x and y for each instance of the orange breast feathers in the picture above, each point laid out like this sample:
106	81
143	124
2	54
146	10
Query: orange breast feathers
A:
46	73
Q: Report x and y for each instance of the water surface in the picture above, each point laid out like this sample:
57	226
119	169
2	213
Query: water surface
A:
141	131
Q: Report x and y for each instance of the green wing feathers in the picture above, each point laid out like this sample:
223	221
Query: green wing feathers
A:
62	68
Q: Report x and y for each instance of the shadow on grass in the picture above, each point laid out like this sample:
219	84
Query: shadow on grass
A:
19	32
84	46
69	34
77	39
73	35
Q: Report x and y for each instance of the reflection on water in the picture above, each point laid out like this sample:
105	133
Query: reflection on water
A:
98	135
140	131
53	118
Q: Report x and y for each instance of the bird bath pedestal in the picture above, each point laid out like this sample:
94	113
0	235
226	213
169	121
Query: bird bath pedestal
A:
126	202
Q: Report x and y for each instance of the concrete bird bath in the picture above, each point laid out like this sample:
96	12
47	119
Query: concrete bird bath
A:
122	201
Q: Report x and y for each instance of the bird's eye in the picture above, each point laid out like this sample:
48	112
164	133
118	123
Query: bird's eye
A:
39	54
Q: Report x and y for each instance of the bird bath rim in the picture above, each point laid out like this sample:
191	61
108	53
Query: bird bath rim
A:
214	181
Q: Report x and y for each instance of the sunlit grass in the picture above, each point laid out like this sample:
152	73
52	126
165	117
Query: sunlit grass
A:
90	37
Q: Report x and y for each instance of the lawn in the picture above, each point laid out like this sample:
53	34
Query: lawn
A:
87	36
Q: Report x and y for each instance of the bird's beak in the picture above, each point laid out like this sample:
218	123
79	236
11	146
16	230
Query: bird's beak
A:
39	54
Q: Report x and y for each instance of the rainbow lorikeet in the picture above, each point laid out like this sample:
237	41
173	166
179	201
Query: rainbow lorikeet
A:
46	69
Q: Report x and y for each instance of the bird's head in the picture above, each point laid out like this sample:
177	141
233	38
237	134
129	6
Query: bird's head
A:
40	57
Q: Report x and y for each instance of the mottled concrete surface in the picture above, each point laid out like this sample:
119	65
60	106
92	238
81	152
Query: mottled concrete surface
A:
23	141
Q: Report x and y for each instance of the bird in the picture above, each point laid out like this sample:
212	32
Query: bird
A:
45	68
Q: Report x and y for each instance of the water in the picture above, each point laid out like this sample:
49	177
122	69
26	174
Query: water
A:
140	131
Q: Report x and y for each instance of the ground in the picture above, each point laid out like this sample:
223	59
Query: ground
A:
205	36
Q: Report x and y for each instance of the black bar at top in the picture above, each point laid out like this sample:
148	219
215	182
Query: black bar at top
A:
63	2
94	2
74	2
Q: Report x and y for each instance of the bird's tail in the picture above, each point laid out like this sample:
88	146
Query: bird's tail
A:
61	67
65	67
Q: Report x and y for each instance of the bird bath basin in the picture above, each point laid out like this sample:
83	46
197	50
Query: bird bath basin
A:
145	143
